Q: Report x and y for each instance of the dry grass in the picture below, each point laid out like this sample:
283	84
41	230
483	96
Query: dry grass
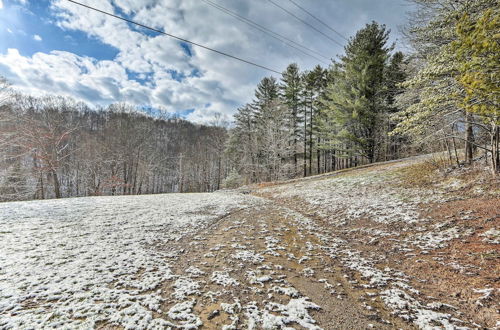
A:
478	262
266	184
422	174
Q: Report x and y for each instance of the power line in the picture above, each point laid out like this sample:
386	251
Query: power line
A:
317	19
175	37
305	23
275	35
267	31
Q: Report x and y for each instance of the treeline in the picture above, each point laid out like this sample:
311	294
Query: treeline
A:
54	147
371	104
326	119
374	104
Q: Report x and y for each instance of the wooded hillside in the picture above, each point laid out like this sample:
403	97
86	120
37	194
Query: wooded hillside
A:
54	147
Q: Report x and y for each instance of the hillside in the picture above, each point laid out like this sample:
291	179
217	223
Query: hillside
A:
390	245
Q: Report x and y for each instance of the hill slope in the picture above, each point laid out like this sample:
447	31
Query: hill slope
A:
361	248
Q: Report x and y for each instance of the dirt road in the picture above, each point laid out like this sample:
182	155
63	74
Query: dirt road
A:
339	252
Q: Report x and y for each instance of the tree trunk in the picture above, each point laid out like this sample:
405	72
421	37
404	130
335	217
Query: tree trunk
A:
57	188
310	138
334	161
469	138
495	152
448	149
305	142
456	153
318	158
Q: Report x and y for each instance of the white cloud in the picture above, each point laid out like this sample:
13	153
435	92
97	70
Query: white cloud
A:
222	84
36	37
8	30
1	4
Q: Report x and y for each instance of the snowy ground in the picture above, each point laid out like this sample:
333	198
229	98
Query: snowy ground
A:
83	261
329	252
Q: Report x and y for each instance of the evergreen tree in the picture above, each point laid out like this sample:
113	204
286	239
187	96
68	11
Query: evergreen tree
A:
355	100
395	75
291	90
315	83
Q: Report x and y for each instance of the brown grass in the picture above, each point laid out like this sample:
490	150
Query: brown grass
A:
422	174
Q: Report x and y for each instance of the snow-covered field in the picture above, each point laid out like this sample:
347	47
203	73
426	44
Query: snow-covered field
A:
78	262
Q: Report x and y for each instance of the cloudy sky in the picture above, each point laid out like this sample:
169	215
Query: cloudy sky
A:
57	47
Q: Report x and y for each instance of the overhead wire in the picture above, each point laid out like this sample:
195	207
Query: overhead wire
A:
319	20
305	23
175	37
287	41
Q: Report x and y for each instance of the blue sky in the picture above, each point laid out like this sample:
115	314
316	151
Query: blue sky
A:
56	47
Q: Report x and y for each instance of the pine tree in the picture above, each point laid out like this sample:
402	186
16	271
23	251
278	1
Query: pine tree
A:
315	83
355	100
395	75
291	90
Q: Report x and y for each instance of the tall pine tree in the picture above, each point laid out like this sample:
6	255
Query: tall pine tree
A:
355	100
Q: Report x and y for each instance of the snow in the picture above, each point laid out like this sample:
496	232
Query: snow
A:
288	291
223	278
295	311
194	271
183	312
410	309
375	197
438	237
342	199
248	256
87	262
491	236
78	262
184	287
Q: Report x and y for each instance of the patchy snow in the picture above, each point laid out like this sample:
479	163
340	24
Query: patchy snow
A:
77	262
411	310
194	271
184	287
183	313
248	256
438	236
295	311
253	278
342	199
288	291
223	278
491	236
308	272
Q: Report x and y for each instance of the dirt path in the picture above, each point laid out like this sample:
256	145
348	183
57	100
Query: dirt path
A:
352	250
282	269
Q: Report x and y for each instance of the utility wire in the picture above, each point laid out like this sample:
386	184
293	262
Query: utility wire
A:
317	19
275	35
176	37
304	22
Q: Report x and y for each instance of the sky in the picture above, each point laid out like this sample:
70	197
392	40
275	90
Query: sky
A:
57	47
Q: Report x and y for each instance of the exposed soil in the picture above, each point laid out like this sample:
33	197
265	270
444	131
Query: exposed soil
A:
342	305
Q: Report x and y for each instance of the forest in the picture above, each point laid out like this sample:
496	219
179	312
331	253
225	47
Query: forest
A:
371	104
55	147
